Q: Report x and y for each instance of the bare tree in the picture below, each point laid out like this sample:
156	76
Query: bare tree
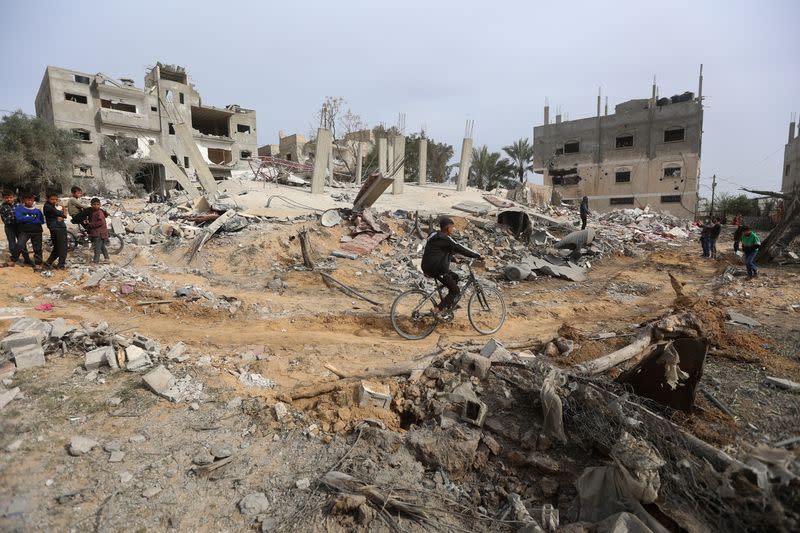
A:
787	229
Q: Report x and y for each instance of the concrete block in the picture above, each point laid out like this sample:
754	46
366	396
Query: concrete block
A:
141	240
59	329
98	357
81	445
30	358
26	323
7	396
24	338
7	369
144	343
474	412
117	226
136	358
475	365
160	381
374	394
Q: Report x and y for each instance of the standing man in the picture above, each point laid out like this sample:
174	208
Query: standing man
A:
55	217
30	220
750	245
713	235
11	226
584	211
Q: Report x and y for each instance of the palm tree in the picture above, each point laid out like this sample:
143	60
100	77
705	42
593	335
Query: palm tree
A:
521	154
489	169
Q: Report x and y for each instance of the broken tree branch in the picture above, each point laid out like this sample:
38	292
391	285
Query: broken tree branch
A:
347	289
643	340
305	248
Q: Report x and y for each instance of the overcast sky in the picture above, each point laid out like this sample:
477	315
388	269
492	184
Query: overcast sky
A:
440	62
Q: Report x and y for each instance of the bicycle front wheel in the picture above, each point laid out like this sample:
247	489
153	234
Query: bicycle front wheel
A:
486	310
412	315
115	244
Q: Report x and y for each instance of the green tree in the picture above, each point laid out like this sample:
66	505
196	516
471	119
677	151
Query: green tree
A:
489	169
729	205
521	154
121	155
34	155
438	169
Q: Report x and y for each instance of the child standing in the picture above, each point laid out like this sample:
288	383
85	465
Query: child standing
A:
10	225
30	220
98	231
55	216
750	245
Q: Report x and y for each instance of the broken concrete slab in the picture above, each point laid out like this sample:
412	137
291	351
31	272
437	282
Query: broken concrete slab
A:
7	396
371	393
738	318
29	357
280	410
59	329
99	357
571	273
161	381
21	339
782	383
31	325
473	208
495	351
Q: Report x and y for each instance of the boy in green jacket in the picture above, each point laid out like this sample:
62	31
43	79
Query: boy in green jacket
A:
750	246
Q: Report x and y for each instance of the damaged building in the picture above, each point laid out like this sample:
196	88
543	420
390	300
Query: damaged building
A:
646	153
165	124
791	160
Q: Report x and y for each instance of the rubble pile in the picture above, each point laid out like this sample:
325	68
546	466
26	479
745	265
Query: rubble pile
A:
519	439
32	341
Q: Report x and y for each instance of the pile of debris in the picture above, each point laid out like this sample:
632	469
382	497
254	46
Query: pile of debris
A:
31	341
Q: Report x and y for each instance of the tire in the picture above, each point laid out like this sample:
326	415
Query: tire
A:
410	324
486	310
72	242
115	244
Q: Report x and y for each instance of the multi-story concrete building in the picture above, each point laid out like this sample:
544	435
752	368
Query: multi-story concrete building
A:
646	153
791	160
167	112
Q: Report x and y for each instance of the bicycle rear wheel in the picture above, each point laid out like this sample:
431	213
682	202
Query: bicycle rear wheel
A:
72	241
115	244
412	315
486	310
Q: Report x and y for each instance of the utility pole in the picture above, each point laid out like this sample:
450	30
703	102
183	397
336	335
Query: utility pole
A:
713	190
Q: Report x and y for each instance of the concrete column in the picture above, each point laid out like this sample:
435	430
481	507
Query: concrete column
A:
390	154
382	155
466	161
546	115
321	159
359	156
399	152
423	161
791	131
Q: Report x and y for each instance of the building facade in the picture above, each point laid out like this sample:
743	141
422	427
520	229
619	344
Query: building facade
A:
646	153
791	161
168	111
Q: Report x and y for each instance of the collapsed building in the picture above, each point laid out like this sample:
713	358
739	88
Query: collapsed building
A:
646	153
791	160
165	124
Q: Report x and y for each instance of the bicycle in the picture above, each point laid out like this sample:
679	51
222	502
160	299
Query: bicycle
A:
413	312
80	237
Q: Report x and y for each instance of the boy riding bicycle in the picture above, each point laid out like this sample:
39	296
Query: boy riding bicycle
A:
439	249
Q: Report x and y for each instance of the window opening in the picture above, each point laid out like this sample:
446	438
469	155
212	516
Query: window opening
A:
624	141
673	135
77	98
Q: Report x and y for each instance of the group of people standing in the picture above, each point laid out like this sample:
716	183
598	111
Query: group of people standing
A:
23	223
744	238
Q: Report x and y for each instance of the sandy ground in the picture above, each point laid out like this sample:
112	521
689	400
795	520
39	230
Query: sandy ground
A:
294	332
